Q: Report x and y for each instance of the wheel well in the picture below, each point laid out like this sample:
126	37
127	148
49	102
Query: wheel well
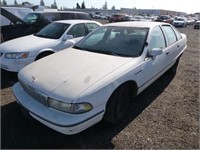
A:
109	115
42	54
133	87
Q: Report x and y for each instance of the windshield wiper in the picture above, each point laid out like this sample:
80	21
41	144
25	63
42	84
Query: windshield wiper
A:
111	53
77	47
102	52
106	52
40	35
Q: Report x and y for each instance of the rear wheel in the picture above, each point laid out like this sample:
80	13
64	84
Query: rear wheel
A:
117	105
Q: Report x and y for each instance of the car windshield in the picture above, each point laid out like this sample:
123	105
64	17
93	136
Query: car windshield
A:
31	18
112	40
53	31
164	17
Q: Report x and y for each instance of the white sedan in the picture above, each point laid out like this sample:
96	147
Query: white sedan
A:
74	89
18	53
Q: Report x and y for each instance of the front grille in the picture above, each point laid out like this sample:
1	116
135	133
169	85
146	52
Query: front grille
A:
35	94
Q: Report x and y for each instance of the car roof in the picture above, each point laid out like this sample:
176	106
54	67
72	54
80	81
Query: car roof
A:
42	12
140	24
75	21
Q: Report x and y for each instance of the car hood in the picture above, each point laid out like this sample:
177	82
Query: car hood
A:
30	43
66	74
11	16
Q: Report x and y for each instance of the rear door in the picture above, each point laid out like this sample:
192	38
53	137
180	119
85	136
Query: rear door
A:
173	44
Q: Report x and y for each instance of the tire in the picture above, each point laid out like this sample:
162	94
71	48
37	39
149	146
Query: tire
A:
42	55
117	105
173	69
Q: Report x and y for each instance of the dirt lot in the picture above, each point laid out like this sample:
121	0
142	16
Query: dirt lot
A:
164	116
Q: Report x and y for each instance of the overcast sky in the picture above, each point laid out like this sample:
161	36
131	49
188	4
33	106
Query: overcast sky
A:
189	6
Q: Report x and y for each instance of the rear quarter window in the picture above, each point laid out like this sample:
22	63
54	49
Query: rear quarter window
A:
178	35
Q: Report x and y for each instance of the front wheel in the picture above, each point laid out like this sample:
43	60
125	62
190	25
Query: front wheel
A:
117	105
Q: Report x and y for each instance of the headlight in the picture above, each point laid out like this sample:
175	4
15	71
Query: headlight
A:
21	55
73	108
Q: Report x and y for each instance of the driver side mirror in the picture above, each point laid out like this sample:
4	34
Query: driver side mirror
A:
155	52
68	37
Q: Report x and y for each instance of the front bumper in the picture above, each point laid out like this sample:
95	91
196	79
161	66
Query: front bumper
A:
15	65
178	24
60	121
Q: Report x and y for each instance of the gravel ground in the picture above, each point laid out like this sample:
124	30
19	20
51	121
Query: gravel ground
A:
164	116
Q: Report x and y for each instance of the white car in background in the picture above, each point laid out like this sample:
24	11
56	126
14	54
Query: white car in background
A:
180	22
17	53
76	88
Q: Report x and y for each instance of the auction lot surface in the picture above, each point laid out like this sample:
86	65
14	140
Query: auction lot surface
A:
164	116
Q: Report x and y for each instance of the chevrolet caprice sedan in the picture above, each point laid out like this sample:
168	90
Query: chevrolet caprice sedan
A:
76	88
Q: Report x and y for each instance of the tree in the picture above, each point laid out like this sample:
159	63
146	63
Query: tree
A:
42	3
15	3
4	3
83	5
54	5
113	7
105	6
78	6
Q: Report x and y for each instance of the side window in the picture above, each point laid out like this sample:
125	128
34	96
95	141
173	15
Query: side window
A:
65	16
91	26
170	34
83	16
47	19
77	30
157	39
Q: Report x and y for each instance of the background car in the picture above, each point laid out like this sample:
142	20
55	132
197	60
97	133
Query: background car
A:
197	25
97	78
35	21
17	53
180	22
117	17
190	21
164	18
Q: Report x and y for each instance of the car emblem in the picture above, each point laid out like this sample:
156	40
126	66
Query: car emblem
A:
33	79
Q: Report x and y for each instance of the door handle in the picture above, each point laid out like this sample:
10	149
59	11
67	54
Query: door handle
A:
177	45
167	53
